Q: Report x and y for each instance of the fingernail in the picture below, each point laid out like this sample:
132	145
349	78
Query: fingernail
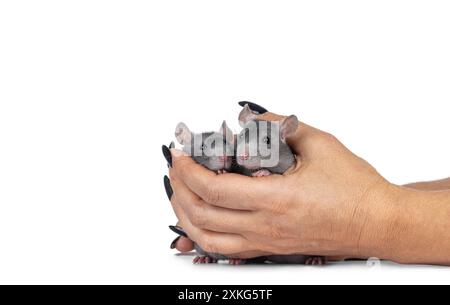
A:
253	107
174	243
168	187
178	230
167	154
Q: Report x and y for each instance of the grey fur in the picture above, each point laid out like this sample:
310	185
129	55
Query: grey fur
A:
210	149
254	140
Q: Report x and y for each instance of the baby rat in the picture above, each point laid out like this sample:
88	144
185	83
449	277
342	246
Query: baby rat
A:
261	145
261	151
213	150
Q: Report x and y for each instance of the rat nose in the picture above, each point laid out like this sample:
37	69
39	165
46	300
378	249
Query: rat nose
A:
244	156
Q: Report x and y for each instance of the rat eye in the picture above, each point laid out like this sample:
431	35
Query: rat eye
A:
266	140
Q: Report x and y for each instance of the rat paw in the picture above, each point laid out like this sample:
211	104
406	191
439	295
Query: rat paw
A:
221	171
262	173
316	261
200	259
236	261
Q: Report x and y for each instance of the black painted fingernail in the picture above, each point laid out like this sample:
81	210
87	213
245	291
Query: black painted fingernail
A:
174	243
168	187
254	107
172	145
178	230
167	154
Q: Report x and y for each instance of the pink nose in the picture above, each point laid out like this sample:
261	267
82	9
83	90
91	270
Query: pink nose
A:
244	156
222	158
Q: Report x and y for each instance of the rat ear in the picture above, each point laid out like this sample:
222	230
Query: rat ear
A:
183	134
288	127
227	132
246	115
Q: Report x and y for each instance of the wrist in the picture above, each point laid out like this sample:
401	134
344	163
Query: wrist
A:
408	226
381	222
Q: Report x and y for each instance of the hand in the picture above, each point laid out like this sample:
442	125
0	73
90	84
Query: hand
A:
331	203
321	207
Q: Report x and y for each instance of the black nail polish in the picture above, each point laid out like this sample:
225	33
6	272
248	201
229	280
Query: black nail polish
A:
168	187
167	154
178	230
253	107
174	243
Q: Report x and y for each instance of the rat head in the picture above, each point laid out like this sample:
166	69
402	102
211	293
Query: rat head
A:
214	150
262	144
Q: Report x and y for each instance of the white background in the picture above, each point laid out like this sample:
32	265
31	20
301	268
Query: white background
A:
90	90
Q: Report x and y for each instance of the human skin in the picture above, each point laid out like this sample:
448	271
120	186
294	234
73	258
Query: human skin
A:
332	203
438	185
184	244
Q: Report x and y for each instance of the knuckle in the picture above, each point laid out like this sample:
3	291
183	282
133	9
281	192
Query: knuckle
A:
329	140
278	206
322	140
181	165
213	193
209	245
273	230
198	216
329	137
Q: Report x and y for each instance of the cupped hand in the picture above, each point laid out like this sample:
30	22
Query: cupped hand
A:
331	203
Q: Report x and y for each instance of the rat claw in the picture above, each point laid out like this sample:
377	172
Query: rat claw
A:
315	261
310	261
262	173
236	261
199	259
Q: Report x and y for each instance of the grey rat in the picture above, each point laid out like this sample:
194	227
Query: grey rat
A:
261	145
261	150
215	151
